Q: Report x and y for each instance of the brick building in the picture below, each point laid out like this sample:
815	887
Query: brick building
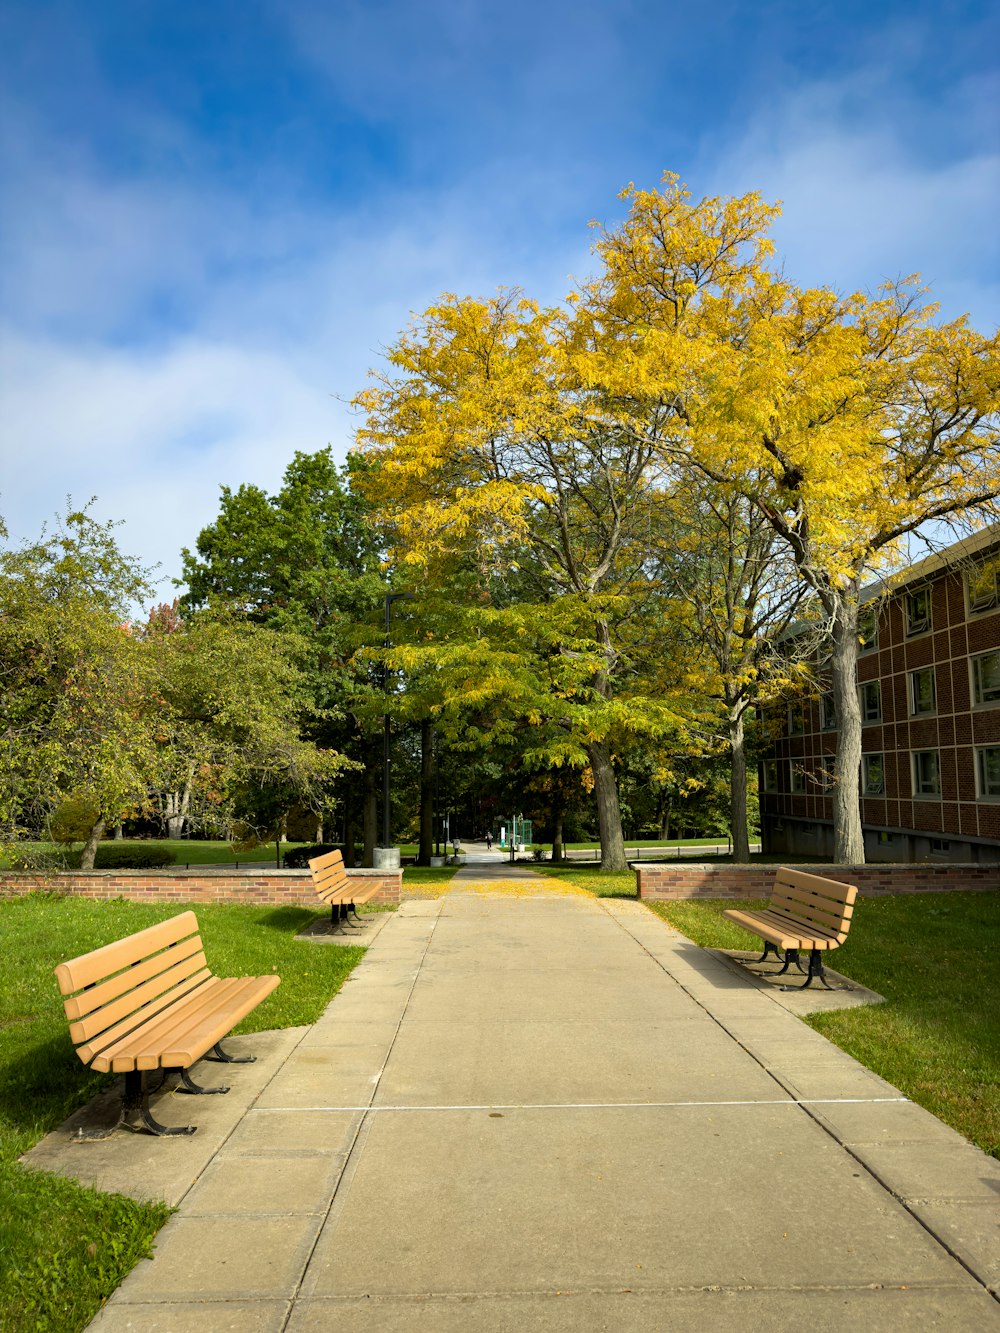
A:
929	689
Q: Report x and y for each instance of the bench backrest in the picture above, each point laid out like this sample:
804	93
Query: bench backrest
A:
814	899
116	987
329	876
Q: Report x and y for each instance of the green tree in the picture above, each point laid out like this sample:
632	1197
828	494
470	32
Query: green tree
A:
307	561
231	703
77	688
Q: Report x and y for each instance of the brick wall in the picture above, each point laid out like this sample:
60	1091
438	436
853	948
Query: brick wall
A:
266	888
666	881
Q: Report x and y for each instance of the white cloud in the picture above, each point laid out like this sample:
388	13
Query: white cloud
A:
860	206
152	436
274	317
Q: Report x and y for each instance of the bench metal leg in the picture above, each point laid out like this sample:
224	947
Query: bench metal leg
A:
217	1053
769	949
136	1115
791	956
816	969
339	918
188	1085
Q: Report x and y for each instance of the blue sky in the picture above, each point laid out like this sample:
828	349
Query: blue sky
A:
216	215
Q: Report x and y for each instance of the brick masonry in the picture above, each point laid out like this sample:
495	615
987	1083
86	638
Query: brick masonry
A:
668	882
265	888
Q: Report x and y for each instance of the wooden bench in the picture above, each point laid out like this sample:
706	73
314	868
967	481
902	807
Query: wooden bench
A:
805	912
331	882
150	1002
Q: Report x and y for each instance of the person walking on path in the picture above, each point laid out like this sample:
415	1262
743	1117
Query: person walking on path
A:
489	841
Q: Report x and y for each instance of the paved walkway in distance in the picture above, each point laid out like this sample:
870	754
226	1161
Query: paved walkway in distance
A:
552	1112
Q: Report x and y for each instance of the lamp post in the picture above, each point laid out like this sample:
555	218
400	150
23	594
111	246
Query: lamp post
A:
390	597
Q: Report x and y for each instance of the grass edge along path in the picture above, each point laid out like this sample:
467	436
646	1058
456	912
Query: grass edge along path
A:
67	1247
937	1036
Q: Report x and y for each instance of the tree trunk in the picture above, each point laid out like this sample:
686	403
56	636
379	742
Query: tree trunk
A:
176	807
370	807
663	815
350	837
848	839
426	849
558	848
738	782
609	814
119	833
90	847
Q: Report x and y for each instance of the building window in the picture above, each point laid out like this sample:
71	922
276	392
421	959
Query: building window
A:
885	839
824	775
827	712
926	773
798	776
983	587
796	718
988	772
918	611
867	629
770	774
986	678
923	693
940	846
873	774
870	695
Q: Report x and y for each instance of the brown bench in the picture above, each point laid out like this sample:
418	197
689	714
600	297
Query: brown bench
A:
150	1002
805	912
331	882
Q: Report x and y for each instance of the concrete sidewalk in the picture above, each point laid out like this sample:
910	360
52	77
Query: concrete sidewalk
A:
553	1112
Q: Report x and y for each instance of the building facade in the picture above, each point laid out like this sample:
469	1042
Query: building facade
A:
929	691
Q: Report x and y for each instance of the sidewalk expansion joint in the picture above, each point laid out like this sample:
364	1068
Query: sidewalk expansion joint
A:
360	1134
586	1106
909	1205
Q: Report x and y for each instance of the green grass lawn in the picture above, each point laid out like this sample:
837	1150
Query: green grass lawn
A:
605	884
186	852
655	842
934	958
65	1248
427	876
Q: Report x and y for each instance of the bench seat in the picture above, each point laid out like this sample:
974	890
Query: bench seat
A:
334	887
805	912
149	1001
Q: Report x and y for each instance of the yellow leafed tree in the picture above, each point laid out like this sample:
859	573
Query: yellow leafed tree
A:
849	421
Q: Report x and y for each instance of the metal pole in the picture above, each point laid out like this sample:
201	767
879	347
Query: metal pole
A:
390	597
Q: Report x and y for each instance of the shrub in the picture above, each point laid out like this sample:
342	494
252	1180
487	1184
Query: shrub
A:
110	857
538	852
73	820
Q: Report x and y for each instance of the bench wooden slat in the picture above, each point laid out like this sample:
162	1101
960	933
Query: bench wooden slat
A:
832	889
110	958
89	1051
136	1000
78	1006
329	876
784	934
210	1022
809	914
809	898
